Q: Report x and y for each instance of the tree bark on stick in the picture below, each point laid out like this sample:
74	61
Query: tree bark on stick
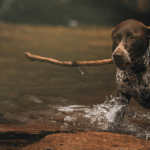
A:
67	63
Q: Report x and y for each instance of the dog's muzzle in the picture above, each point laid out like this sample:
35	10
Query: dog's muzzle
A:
121	58
118	57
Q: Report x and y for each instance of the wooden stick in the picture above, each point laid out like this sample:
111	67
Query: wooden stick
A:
67	63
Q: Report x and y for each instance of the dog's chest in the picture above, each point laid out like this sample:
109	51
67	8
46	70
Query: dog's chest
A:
137	89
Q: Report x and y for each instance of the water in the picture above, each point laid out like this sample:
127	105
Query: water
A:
23	81
109	117
61	96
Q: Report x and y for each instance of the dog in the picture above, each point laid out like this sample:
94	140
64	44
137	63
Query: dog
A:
131	54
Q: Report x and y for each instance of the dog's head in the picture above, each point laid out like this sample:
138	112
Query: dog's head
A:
130	41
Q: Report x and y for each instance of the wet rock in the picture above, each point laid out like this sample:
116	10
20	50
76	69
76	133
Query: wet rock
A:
89	141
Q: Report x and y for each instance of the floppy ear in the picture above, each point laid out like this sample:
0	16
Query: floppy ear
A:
148	31
113	48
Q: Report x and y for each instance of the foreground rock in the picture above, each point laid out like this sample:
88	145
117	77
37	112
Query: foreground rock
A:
89	141
44	137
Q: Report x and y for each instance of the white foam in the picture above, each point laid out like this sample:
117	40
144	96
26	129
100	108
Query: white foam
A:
104	116
72	108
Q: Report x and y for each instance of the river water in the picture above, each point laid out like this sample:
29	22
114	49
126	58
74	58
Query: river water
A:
72	98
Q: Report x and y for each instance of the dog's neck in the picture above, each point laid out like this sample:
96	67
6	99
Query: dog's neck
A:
141	63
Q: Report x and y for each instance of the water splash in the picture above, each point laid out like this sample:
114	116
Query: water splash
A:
147	132
72	108
110	116
106	116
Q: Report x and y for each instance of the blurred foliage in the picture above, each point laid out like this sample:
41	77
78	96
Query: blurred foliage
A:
59	12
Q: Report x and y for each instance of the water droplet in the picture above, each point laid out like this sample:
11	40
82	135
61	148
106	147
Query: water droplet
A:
81	71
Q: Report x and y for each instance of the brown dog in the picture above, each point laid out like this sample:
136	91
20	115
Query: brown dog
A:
131	56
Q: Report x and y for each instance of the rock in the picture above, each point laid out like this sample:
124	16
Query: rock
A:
89	141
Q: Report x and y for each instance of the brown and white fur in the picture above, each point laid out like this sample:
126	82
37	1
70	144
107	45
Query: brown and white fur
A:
131	54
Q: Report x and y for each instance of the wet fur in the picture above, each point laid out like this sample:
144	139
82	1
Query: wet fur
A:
139	90
139	87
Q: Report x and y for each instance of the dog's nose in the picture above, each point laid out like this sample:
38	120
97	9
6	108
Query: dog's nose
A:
117	56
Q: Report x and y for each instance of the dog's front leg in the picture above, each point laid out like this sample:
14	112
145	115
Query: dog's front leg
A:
123	98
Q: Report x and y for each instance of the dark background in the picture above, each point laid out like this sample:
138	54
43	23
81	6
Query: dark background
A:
60	12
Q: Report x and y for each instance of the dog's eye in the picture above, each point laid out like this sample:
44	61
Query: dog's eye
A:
115	38
132	38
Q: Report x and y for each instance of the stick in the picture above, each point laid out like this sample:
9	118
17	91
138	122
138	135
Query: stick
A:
67	63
